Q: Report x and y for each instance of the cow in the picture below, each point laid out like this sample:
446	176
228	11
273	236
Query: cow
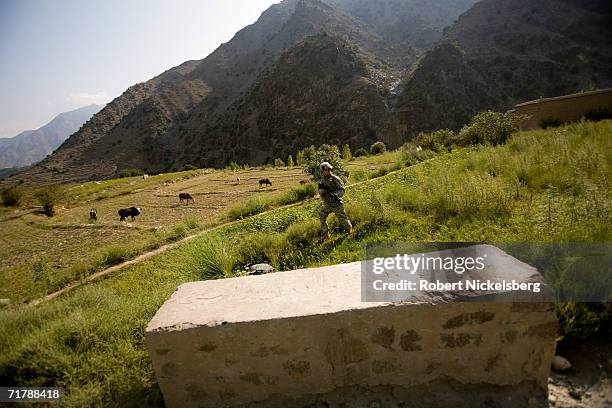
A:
145	176
129	212
185	197
265	181
93	214
237	180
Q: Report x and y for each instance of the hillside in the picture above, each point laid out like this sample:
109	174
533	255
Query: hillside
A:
154	125
90	341
500	53
30	146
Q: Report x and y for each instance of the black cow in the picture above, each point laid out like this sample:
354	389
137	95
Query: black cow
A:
93	214
264	182
185	197
129	212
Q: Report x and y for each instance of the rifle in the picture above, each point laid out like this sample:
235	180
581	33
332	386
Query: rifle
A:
330	195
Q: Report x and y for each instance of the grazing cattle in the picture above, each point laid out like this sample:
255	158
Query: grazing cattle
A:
265	181
145	176
93	214
185	197
129	212
237	180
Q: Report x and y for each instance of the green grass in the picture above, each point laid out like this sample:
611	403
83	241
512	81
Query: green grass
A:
552	186
262	202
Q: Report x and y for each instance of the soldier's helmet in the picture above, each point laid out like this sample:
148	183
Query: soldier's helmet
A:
326	166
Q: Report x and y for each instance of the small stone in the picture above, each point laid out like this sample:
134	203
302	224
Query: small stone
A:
575	393
561	363
260	269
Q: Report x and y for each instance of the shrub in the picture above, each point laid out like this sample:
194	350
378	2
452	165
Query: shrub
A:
233	166
314	157
290	161
251	206
361	152
358	175
189	167
378	148
582	320
490	128
264	247
11	196
550	122
212	258
303	233
114	254
48	197
436	141
598	114
279	163
130	173
346	153
299	158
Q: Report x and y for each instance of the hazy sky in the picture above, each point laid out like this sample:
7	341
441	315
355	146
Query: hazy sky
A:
59	55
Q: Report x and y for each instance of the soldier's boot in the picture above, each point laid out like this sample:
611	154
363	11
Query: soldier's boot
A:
349	228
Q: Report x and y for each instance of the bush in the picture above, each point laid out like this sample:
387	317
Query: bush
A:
598	114
233	166
304	233
279	163
378	148
251	206
550	122
212	258
189	167
11	196
582	320
346	153
490	128
264	247
361	152
114	254
290	161
437	141
314	157
48	197
130	173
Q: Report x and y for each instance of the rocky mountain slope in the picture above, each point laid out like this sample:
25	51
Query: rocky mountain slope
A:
340	71
30	146
501	52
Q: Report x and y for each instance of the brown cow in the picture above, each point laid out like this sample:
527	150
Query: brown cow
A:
185	197
265	181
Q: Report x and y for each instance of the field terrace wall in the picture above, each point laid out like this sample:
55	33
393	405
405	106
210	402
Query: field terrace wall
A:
305	338
564	109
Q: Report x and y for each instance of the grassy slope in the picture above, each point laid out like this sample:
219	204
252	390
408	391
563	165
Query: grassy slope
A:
542	186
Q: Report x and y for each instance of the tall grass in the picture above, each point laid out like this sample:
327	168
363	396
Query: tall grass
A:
261	203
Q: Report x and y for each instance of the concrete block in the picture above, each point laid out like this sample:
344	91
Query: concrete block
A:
305	339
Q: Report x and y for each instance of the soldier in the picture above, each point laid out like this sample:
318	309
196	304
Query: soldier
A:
331	190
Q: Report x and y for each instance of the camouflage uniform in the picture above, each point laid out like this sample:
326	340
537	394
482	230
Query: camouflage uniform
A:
332	202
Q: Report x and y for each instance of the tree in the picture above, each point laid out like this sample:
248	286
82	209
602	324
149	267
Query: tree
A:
346	153
48	197
490	128
378	147
290	161
361	152
314	157
11	196
299	158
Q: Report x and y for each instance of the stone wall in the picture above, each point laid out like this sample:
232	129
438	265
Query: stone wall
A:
305	339
567	108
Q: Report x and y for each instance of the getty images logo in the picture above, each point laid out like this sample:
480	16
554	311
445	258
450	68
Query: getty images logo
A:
413	263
